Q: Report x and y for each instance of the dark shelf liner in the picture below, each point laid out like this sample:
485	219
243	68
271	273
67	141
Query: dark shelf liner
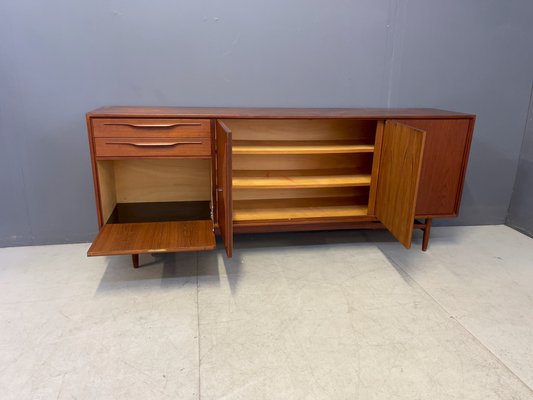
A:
160	212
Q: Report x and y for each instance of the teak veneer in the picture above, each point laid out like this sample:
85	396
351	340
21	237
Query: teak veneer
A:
166	179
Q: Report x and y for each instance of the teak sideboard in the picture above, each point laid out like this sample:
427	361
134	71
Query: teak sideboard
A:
167	179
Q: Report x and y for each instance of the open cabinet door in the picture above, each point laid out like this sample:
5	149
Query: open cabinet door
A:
224	198
399	173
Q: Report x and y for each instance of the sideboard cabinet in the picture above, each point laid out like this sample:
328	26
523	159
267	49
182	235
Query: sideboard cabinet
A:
168	179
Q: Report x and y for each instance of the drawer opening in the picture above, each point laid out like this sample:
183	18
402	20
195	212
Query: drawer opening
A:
129	187
154	205
160	212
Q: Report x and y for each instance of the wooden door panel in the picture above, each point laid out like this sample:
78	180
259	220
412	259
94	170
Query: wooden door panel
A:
223	186
443	165
153	237
399	174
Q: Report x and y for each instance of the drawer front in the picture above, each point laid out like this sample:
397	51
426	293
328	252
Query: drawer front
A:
145	147
151	127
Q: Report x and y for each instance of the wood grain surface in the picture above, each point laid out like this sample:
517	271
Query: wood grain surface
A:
274	113
151	148
150	128
138	181
271	162
300	181
307	148
224	186
399	175
153	237
309	130
249	210
443	165
290	193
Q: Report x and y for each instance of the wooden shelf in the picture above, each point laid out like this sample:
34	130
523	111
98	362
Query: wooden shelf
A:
290	213
300	181
277	209
153	237
308	147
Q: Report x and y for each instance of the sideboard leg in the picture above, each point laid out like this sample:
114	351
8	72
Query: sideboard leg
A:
135	260
427	231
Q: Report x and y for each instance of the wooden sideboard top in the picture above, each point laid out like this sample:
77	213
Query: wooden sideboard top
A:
310	113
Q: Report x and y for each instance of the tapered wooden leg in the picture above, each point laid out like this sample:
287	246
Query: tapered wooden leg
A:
135	260
427	231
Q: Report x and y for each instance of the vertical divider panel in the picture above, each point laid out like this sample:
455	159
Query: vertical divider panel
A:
380	126
224	185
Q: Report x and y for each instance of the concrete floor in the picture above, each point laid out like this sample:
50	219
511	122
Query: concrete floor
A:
341	315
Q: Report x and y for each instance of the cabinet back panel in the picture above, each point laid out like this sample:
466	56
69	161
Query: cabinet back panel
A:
261	173
138	181
360	162
301	129
336	192
257	210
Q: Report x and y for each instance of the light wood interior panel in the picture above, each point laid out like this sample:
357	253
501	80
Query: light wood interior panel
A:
291	213
300	181
301	129
108	194
299	202
300	147
297	172
335	192
298	169
162	180
359	162
250	210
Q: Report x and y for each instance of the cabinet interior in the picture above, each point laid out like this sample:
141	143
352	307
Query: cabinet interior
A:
300	169
154	190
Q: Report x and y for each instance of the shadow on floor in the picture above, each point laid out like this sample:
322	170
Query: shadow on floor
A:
156	270
291	239
183	269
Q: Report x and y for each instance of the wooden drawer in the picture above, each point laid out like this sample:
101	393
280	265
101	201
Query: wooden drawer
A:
146	147
151	127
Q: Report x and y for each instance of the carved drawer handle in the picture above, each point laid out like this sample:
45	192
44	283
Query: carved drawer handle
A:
157	144
148	126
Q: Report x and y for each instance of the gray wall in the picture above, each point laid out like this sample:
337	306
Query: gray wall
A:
521	209
61	58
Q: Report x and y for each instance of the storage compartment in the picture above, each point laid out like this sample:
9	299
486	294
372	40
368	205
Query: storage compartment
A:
154	206
288	204
301	169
